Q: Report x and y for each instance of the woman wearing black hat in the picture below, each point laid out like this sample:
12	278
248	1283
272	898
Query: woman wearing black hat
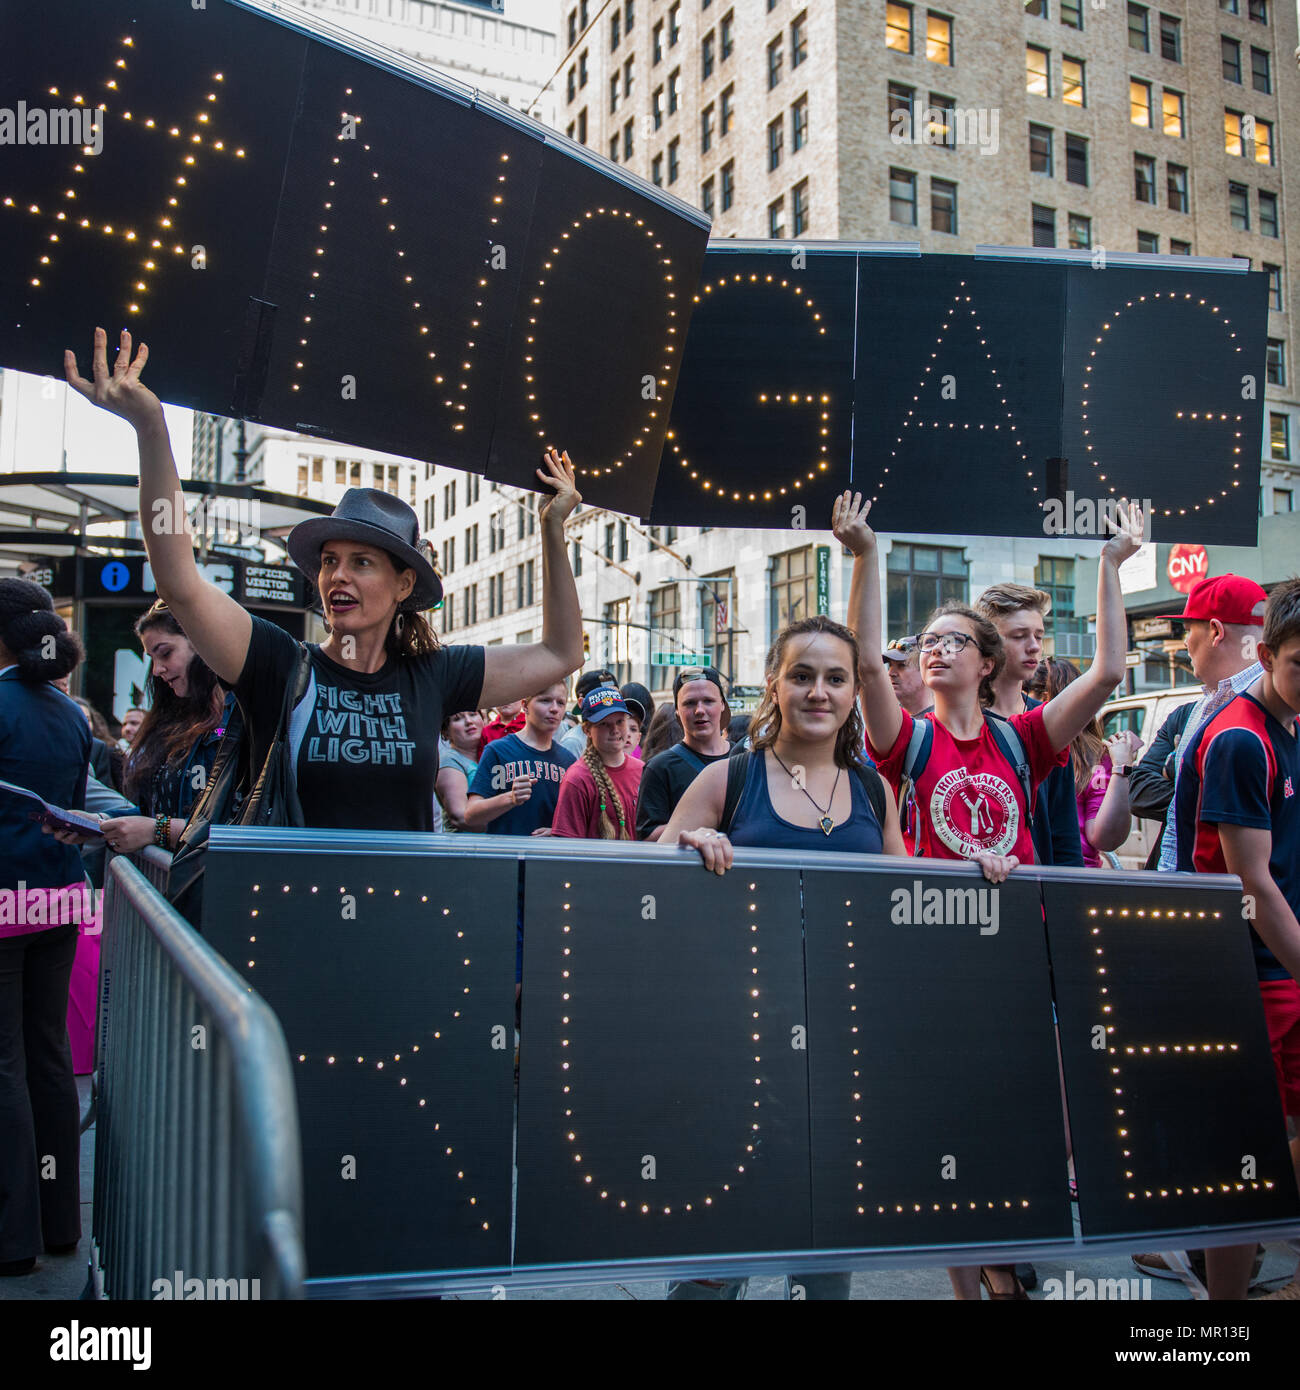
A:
365	734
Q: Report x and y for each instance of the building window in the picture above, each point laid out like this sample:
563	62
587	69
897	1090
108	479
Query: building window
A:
799	41
1239	207
898	27
1263	142
1037	9
728	100
1281	499
1260	76
573	27
1080	232
1176	187
582	68
1232	141
471	605
938	38
657	171
1144	178
727	34
799	115
622	541
576	563
613	148
609	540
1066	631
792	588
1148	243
728	184
1072	13
1038	76
1139	102
449	555
942	128
802	215
615	28
1230	54
665	632
500	594
902	109
706	197
615	656
1073	88
1172	103
902	197
1040	149
776	219
674	168
918	578
1044	225
1279	435
674	25
1274	273
571	84
1179	248
775	143
627	139
1139	28
674	90
1230	6
657	107
706	57
1268	214
1258	11
1171	38
629	15
775	57
717	621
659	42
582	126
1275	362
448	612
1076	160
706	129
943	206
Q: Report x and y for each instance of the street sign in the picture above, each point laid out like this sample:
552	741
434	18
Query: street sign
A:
1144	628
678	659
823	579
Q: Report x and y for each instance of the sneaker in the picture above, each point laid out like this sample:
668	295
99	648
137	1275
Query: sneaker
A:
1159	1268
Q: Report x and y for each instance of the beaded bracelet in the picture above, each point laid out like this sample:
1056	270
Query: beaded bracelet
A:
162	833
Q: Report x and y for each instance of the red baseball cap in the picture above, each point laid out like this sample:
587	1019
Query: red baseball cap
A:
1227	597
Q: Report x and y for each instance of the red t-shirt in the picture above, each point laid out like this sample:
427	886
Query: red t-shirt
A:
577	812
496	729
967	797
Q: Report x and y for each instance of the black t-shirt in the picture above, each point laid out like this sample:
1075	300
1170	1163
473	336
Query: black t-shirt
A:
664	783
365	746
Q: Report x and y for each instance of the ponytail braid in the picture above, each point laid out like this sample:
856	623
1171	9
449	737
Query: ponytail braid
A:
609	799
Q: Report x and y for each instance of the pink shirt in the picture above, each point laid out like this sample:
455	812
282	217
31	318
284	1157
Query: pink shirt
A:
1089	801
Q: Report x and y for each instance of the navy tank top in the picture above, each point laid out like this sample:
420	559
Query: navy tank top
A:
757	824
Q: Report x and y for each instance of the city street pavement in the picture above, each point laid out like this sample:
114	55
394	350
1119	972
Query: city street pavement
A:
64	1277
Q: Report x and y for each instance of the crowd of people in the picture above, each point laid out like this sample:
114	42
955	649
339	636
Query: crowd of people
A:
964	741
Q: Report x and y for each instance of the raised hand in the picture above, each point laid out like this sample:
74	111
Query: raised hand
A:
1127	539
120	390
1124	749
849	522
559	475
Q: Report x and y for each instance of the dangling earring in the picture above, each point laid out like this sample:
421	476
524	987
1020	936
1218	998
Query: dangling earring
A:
398	625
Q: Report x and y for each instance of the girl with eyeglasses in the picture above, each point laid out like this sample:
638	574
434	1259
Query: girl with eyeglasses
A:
969	795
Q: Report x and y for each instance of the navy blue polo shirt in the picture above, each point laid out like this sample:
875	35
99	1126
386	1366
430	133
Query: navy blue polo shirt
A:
44	747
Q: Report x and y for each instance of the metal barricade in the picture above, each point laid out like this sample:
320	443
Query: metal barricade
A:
156	865
198	1167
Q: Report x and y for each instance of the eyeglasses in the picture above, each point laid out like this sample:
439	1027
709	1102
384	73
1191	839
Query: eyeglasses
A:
950	643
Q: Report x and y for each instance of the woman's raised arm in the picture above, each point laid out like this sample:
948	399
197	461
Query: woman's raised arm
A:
215	624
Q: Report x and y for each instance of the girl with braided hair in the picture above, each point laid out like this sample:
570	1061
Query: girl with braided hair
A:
599	792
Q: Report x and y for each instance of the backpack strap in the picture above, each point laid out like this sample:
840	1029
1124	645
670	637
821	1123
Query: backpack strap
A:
737	771
914	761
1013	750
874	786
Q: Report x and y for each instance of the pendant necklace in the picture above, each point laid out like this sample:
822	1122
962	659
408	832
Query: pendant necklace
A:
826	823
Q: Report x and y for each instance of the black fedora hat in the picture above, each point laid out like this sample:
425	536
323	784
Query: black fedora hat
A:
374	518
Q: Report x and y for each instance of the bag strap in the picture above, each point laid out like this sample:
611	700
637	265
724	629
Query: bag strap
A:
914	761
874	785
737	771
1013	750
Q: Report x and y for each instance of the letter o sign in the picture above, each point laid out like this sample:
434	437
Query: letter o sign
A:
1188	565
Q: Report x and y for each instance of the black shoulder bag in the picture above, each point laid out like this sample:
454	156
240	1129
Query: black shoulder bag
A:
231	797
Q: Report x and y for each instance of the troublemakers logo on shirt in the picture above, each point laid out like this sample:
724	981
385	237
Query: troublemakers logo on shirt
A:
973	812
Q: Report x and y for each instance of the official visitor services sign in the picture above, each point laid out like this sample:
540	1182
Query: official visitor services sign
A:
323	235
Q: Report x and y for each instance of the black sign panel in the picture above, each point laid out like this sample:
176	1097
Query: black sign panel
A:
312	239
957	1134
1160	1024
999	411
394	989
662	1091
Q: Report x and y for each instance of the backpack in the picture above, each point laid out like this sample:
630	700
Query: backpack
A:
918	755
738	770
